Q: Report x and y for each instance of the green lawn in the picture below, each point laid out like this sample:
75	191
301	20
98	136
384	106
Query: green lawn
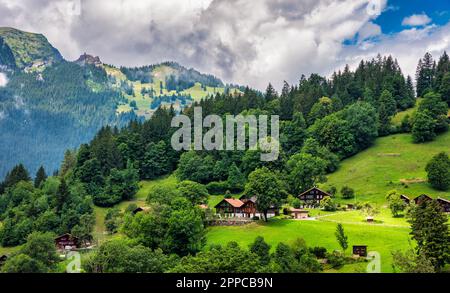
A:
318	233
356	217
383	167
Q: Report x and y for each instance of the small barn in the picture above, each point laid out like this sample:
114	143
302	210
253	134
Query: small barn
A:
445	204
298	213
405	199
314	195
360	250
141	209
66	242
422	198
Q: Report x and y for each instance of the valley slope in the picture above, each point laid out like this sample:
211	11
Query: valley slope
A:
50	105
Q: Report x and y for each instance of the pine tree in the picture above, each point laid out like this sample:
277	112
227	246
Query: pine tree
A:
443	67
271	94
41	176
430	231
341	238
425	75
444	89
17	174
62	195
438	170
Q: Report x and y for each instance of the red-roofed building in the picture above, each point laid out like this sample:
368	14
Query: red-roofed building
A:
240	208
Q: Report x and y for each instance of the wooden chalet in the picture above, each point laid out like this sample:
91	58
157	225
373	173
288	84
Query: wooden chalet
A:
405	199
298	213
445	204
66	242
360	250
141	209
229	206
251	207
314	195
422	198
240	208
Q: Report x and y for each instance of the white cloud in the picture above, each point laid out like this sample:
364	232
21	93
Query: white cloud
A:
3	79
407	47
240	41
416	20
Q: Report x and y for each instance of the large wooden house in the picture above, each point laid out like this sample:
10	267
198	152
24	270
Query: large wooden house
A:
240	208
66	242
313	196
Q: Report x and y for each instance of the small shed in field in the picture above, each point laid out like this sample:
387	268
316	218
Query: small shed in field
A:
298	213
360	250
141	209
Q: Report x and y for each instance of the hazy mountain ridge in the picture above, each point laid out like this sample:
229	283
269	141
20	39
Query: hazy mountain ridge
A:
50	104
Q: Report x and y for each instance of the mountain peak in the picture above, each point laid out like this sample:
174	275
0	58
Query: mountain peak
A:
89	59
28	49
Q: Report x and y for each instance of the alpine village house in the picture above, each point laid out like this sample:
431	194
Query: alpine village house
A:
247	207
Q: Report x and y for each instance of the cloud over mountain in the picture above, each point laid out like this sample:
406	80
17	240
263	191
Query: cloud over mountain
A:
247	42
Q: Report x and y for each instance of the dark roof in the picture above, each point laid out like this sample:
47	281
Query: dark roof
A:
424	195
443	199
404	196
64	235
141	209
315	188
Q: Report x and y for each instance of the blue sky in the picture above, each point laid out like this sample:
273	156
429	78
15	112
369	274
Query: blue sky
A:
391	20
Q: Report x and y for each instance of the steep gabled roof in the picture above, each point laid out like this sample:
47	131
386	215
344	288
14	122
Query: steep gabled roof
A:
423	196
405	197
443	199
236	203
315	188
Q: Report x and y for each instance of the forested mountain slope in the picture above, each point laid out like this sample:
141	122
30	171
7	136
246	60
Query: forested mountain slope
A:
50	105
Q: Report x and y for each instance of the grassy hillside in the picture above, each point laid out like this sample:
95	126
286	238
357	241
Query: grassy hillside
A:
145	93
394	162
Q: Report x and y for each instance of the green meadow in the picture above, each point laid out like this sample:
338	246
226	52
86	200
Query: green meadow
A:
393	162
379	238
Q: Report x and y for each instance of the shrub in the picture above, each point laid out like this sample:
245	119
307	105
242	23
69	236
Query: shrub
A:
319	252
296	203
438	170
347	192
336	259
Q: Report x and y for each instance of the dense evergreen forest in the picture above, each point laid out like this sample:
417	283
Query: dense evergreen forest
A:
43	114
323	122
